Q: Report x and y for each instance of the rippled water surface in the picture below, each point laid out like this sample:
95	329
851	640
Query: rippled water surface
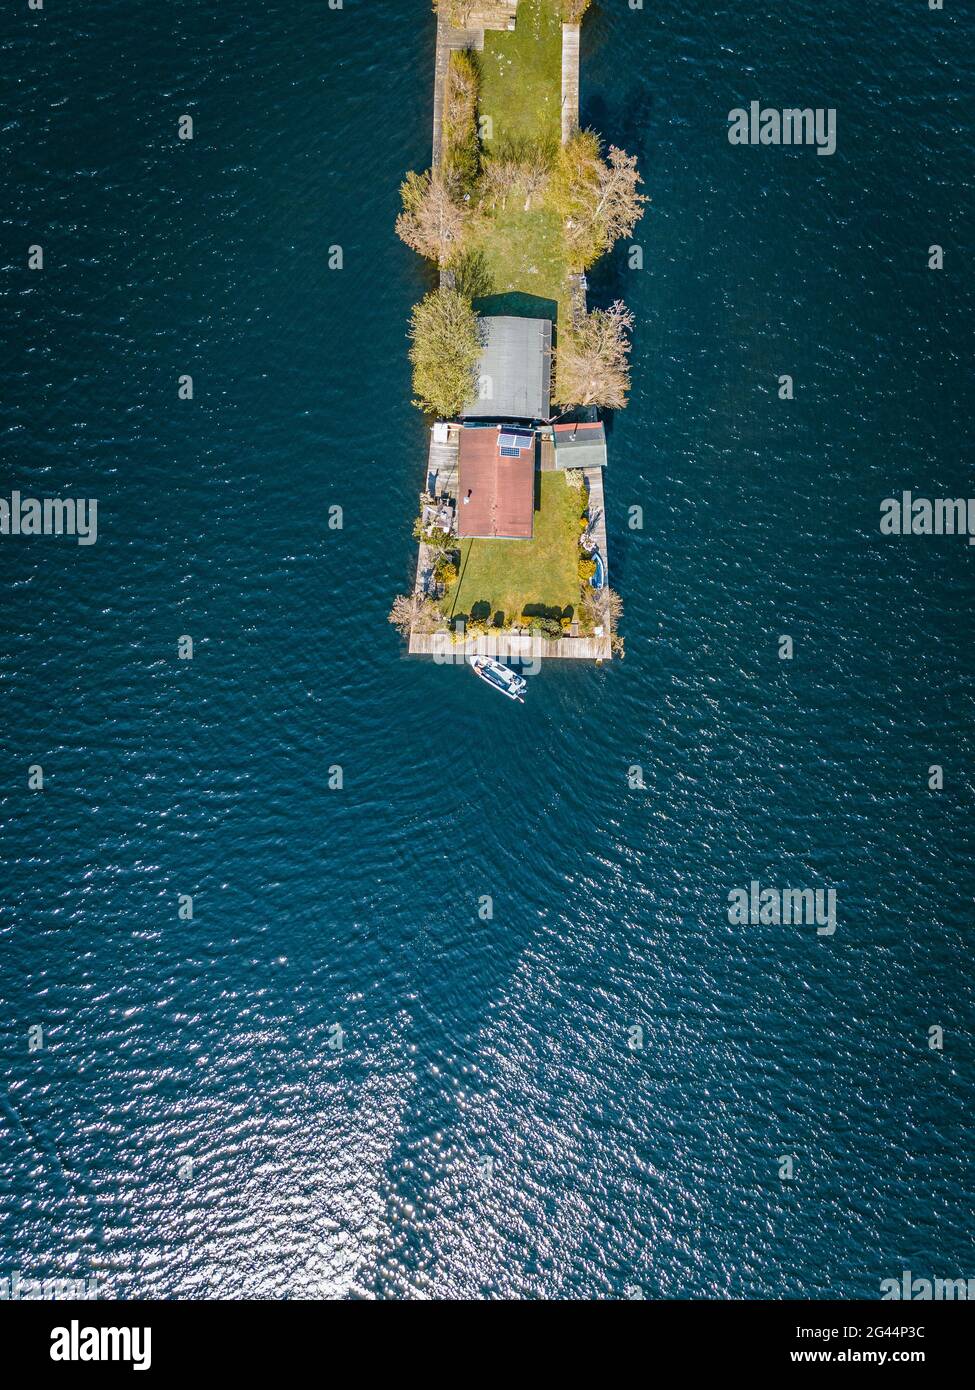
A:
364	1172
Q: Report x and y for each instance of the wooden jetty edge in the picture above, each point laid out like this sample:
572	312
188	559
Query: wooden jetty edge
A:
570	81
516	645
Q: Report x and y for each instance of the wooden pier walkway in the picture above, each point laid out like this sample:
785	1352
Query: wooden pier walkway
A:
578	285
597	512
570	81
520	649
442	463
449	38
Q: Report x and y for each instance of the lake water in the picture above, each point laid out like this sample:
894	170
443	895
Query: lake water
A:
485	1130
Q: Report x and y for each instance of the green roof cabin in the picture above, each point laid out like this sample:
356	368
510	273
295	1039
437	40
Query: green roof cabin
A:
581	445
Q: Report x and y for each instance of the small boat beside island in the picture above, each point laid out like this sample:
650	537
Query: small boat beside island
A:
499	676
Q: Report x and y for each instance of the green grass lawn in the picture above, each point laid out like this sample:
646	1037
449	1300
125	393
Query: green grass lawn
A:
505	576
523	253
521	75
521	91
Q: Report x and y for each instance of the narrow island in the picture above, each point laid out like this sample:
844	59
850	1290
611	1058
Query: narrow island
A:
508	359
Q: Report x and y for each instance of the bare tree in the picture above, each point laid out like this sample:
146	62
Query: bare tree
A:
597	198
433	220
499	180
614	608
592	361
534	177
604	608
614	611
518	167
620	206
414	613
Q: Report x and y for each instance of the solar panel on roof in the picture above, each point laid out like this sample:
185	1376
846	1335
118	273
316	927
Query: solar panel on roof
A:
510	453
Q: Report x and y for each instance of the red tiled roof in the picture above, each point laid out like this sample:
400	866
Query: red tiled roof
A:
502	490
591	427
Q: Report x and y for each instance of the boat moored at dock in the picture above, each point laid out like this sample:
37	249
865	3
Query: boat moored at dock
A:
501	677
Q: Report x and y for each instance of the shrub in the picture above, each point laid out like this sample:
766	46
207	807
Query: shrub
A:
461	161
413	612
548	626
434	536
446	337
472	278
519	169
446	571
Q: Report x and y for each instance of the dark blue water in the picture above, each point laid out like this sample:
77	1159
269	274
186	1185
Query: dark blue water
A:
363	1172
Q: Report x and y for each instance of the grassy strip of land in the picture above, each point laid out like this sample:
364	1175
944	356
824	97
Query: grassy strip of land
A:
523	255
520	109
521	78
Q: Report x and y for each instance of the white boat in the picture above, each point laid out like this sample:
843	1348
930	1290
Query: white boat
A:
499	676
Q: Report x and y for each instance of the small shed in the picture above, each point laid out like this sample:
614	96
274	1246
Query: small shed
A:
581	445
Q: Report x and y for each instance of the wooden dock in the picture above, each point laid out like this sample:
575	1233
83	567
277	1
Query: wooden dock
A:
519	648
597	512
449	38
578	287
570	81
442	463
